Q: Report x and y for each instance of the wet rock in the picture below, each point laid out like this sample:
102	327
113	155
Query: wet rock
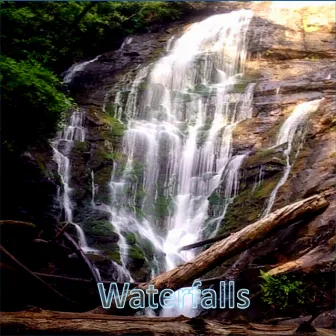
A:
325	320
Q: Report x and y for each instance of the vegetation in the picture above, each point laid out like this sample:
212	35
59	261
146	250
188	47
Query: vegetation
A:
100	228
41	39
33	103
280	291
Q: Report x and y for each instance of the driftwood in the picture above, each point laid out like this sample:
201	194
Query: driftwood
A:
42	284
204	242
47	322
82	255
227	248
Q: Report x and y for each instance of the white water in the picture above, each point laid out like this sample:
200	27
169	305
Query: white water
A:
127	41
71	72
259	178
291	130
231	182
177	147
62	147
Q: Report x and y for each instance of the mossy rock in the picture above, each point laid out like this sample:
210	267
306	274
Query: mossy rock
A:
201	89
106	252
147	247
141	244
135	252
100	230
130	238
81	146
248	205
267	156
113	255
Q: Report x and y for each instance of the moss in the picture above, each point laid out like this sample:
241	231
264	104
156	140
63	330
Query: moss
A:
110	109
239	87
248	205
271	155
117	128
98	228
162	206
82	146
214	199
200	89
135	252
130	238
139	247
114	256
147	247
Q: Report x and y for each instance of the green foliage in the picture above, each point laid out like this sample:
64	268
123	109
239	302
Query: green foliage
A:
33	104
118	129
55	33
39	38
280	291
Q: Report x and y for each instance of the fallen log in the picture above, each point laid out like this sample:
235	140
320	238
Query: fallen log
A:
204	242
82	256
47	322
234	244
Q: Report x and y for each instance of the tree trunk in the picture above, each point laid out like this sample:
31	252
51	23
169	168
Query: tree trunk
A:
204	242
182	275
48	322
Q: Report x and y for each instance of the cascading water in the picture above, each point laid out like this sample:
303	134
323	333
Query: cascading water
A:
62	147
178	140
71	72
292	130
231	183
259	178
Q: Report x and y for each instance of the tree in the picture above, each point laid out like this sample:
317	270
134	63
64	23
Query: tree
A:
33	104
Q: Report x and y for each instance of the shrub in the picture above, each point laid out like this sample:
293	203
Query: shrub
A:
280	291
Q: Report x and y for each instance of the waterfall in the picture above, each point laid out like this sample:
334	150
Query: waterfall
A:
189	99
62	147
231	183
127	41
180	114
258	180
71	72
292	130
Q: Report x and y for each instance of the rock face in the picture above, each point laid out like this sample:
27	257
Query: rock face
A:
291	60
292	56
